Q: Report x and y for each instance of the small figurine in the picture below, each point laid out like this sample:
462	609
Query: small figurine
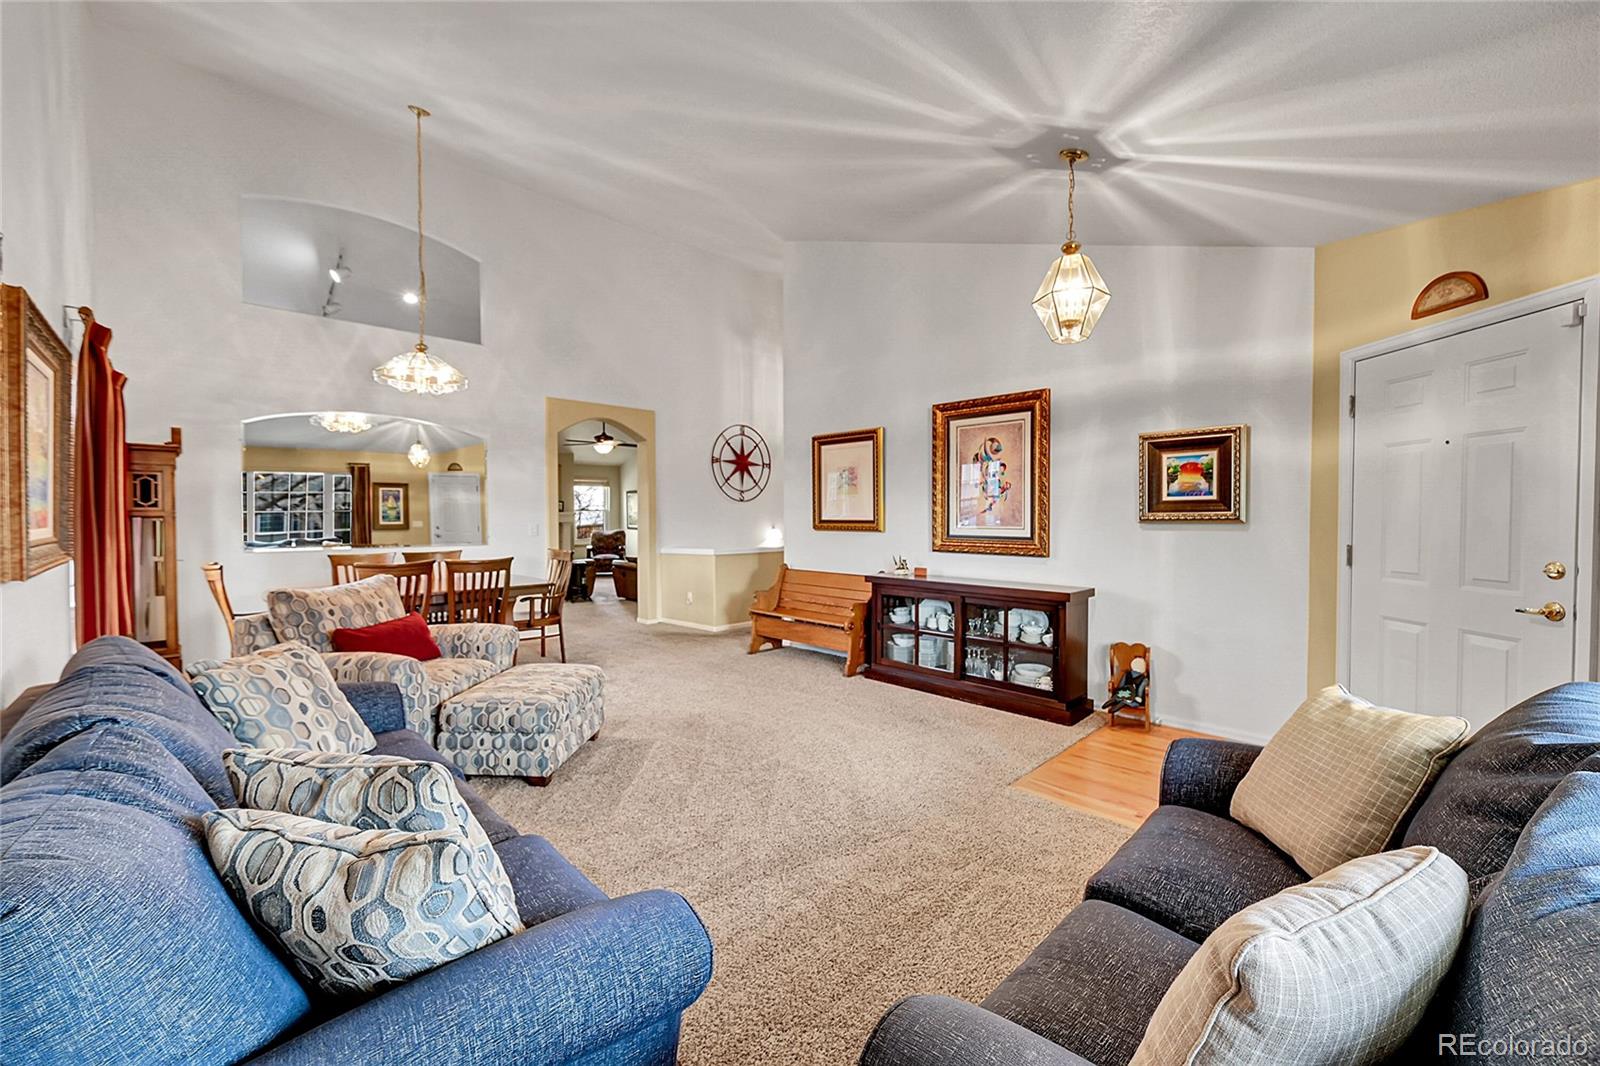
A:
1130	682
901	567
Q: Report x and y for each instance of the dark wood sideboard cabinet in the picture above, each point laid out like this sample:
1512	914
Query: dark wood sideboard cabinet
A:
1018	647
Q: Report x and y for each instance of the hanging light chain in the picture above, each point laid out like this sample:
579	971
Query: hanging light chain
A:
1072	187
422	270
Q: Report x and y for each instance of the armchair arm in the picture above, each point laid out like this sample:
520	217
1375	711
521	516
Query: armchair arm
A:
400	670
477	640
767	599
379	704
940	1031
552	994
1201	773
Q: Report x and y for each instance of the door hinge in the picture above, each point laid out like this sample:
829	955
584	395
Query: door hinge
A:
1349	554
1352	405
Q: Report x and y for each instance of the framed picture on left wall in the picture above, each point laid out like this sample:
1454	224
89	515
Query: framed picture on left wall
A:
36	468
392	505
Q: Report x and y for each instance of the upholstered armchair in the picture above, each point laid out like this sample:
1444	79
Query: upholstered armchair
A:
471	652
605	549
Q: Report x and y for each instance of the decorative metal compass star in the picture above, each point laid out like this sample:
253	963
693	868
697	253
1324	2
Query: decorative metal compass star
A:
741	463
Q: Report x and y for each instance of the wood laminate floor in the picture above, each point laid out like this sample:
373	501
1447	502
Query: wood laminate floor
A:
1114	772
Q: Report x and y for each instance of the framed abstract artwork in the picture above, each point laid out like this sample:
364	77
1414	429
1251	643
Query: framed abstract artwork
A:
630	509
36	468
847	481
991	474
392	505
1194	475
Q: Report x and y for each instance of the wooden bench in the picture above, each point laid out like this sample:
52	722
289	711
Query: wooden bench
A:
814	607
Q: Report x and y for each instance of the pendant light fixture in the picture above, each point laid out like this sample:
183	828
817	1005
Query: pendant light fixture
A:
418	453
1073	294
342	421
604	443
417	370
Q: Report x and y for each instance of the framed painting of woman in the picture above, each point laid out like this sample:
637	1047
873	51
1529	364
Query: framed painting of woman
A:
991	474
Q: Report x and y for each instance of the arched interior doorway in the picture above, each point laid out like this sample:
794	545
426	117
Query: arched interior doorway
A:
571	419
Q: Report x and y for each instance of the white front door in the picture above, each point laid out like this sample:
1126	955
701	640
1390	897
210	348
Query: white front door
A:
455	508
1464	516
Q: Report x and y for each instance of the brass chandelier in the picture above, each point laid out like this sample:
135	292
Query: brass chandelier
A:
342	421
1073	295
417	370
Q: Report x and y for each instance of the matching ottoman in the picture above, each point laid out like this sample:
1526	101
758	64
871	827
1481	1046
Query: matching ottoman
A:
523	722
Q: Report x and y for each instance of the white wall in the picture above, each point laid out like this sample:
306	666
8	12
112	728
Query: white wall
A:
44	214
874	334
630	483
574	305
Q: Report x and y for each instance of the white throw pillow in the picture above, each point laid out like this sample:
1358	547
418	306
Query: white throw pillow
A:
1334	972
281	697
1336	779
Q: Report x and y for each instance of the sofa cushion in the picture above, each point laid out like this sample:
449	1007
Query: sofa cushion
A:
311	615
407	635
120	944
1529	967
1479	806
282	697
1189	870
114	680
366	792
1338	970
357	910
547	885
409	745
1336	779
1092	984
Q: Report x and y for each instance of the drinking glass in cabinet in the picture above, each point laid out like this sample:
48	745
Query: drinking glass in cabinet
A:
982	661
986	622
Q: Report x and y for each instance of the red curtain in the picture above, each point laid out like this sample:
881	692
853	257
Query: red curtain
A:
104	556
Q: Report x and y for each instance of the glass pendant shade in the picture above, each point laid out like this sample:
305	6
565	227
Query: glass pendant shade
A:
604	447
419	455
342	421
1072	296
417	371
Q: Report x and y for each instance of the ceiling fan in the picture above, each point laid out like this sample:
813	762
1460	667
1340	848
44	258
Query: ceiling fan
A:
602	443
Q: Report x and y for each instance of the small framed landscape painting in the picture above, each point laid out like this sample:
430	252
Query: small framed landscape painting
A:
1194	475
991	474
36	471
392	509
630	509
847	481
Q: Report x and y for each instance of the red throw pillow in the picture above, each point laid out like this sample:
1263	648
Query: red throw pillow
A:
407	635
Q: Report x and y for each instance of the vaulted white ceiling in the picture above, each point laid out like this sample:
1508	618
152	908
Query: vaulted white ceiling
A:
738	126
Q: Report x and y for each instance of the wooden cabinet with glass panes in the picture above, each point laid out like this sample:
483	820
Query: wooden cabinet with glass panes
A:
153	544
294	510
1018	647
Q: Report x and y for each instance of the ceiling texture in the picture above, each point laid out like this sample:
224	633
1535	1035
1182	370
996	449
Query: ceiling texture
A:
739	126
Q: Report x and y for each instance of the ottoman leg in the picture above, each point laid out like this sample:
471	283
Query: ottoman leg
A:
537	782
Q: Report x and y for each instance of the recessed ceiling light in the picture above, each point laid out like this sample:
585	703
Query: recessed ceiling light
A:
409	297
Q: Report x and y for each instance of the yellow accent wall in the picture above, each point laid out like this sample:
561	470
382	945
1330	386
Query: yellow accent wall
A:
723	585
1364	290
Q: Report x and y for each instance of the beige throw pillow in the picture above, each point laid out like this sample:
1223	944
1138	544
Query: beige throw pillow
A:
1337	778
1334	972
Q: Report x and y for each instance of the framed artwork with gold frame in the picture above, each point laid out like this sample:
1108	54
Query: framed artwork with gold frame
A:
991	474
36	466
847	481
1194	475
391	505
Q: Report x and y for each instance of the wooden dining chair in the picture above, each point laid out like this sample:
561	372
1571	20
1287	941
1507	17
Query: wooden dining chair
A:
219	592
438	557
343	563
415	581
544	606
431	556
475	589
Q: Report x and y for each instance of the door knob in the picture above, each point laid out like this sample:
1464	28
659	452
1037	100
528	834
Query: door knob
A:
1555	571
1552	610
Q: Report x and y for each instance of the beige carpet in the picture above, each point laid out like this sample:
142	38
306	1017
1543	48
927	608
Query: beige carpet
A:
846	842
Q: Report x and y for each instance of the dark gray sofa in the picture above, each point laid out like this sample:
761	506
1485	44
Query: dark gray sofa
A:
1518	808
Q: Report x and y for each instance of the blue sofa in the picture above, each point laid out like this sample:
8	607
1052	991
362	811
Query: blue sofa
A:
118	943
1518	808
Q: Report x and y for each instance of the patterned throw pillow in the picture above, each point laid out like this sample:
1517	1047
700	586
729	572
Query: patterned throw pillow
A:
311	615
281	697
1335	781
1337	970
369	792
356	909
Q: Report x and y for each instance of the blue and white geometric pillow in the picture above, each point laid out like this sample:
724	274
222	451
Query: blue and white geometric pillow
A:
311	615
368	792
355	909
281	697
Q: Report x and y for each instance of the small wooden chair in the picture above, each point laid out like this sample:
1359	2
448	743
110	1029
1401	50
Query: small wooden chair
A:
544	606
475	590
1121	659
343	563
415	581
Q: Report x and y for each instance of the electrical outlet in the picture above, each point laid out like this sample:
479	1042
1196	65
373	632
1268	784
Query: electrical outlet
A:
689	598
